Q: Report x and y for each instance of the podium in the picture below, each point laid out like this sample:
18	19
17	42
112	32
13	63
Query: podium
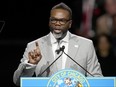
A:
68	78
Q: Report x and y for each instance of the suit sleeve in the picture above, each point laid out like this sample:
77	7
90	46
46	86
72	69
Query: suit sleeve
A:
24	69
93	66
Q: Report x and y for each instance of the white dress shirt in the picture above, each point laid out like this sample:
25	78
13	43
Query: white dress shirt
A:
62	42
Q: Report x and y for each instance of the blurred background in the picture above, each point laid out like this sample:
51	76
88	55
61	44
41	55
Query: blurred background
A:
22	21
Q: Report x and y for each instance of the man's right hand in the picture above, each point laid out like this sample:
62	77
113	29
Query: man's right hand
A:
35	55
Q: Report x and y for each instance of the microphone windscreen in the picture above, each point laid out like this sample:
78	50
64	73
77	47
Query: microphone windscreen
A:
57	51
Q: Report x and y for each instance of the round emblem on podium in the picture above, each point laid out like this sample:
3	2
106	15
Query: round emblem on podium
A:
68	78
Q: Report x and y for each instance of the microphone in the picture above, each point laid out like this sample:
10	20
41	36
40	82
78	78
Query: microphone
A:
62	49
59	50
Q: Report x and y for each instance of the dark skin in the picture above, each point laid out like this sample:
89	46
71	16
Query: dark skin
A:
35	55
57	28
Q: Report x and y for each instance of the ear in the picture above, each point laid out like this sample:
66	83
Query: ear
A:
70	23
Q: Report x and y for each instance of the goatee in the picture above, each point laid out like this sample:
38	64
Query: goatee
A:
58	35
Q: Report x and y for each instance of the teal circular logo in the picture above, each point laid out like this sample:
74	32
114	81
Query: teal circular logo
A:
68	78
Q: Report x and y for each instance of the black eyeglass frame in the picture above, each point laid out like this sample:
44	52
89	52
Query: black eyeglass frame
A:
61	21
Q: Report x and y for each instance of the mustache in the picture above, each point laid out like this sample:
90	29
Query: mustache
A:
57	27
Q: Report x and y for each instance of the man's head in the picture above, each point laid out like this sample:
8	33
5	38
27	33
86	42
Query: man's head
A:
60	20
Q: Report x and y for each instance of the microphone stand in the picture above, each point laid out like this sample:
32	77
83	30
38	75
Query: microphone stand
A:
62	49
74	60
51	64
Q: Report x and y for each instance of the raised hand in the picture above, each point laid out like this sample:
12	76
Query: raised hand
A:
35	55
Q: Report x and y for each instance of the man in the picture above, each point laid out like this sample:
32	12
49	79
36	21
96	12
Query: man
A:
40	53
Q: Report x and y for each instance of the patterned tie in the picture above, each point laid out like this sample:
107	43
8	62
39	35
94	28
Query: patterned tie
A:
57	54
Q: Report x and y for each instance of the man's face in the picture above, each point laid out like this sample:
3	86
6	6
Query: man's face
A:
59	21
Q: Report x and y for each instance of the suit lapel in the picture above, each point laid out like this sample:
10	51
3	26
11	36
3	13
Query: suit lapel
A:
49	54
72	50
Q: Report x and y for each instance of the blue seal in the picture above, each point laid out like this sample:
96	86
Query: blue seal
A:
68	78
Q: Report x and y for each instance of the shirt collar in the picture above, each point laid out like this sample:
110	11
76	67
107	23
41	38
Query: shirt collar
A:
65	39
52	38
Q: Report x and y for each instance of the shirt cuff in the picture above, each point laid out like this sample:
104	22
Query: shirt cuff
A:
29	65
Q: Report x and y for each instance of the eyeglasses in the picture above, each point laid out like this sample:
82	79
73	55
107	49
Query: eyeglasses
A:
61	21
